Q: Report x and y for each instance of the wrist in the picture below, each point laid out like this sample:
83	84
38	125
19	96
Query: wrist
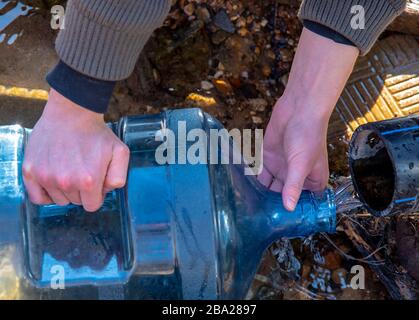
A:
60	109
306	107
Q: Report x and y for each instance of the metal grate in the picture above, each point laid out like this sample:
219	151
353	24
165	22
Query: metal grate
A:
383	85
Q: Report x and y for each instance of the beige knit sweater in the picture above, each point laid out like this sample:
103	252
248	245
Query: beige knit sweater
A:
103	38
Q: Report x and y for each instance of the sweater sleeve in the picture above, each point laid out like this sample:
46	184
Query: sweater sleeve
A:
360	21
102	39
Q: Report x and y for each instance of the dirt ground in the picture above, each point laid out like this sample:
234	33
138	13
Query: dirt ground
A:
232	59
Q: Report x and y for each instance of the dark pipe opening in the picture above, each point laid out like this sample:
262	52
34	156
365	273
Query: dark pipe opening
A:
372	171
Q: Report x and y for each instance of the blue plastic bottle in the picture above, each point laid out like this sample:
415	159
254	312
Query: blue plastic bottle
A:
177	231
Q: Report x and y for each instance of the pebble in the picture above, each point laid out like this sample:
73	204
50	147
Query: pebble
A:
223	86
222	21
218	74
206	85
243	32
203	14
258	104
189	9
257	120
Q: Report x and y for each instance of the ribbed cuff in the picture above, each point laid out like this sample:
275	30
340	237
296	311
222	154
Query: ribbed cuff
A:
103	39
341	16
92	94
327	32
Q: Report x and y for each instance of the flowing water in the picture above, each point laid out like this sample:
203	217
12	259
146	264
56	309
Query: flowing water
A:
317	267
346	200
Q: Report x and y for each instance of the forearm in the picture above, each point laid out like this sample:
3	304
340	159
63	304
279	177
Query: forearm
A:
319	73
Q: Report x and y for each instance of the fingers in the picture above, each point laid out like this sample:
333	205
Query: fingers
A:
74	197
296	175
41	188
277	185
91	192
118	168
265	178
36	193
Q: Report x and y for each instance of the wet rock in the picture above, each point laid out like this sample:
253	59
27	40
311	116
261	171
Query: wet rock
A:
222	21
223	87
203	14
257	120
206	85
258	104
243	32
189	9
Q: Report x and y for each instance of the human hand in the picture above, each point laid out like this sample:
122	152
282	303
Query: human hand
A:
73	157
295	150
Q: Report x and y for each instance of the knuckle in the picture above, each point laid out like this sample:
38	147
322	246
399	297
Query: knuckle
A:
64	182
45	177
122	150
87	182
27	169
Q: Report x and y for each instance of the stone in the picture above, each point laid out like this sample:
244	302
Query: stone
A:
222	21
243	32
257	120
206	85
189	9
223	86
203	14
258	104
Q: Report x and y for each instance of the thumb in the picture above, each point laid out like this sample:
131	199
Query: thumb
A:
293	185
118	168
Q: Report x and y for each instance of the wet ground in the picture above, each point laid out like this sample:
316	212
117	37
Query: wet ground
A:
232	58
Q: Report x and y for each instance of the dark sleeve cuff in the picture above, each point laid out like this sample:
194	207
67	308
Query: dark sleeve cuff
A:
327	32
90	93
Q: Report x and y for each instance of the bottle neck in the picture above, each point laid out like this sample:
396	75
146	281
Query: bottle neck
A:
314	213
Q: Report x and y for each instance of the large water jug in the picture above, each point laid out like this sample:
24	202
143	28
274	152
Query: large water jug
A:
175	231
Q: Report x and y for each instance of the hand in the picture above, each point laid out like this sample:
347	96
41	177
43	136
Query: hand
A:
73	157
295	150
